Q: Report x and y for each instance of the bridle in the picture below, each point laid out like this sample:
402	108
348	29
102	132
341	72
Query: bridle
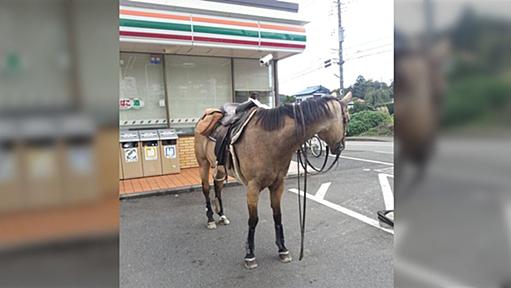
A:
340	146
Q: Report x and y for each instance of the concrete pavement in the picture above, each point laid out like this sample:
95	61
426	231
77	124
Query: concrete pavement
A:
164	241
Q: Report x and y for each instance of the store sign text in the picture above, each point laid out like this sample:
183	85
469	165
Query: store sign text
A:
130	103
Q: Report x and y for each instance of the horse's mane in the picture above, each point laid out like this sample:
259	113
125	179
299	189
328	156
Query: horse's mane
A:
314	110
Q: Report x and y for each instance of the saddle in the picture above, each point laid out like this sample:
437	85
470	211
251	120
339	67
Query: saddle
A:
234	111
224	124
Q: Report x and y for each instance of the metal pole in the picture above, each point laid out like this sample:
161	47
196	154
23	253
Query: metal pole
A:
341	39
428	19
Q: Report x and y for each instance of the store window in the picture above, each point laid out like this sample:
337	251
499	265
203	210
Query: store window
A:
195	83
251	78
40	75
142	90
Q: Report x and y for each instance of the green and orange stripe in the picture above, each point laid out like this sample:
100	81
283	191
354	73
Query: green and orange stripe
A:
171	26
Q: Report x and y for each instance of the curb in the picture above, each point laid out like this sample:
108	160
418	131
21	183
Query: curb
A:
185	189
178	190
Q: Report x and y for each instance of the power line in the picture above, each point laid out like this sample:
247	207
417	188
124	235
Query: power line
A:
303	73
369	42
372	48
370	54
314	69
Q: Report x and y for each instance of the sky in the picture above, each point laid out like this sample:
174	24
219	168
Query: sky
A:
368	45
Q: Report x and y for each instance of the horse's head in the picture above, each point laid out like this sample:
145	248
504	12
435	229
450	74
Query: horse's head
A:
334	134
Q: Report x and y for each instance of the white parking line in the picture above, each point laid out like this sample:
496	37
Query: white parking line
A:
365	160
383	152
388	196
345	211
322	190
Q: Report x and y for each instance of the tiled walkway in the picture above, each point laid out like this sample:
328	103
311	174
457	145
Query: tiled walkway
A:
188	178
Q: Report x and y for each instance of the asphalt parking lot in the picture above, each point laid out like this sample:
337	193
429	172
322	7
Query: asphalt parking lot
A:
164	241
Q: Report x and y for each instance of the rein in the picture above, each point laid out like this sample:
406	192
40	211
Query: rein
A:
301	210
300	162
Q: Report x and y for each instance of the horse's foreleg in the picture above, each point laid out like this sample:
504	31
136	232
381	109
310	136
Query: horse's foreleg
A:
204	174
252	199
276	191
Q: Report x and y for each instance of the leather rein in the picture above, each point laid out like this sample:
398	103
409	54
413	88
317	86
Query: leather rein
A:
300	162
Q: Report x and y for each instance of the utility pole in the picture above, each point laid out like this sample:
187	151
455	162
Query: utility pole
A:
341	39
428	21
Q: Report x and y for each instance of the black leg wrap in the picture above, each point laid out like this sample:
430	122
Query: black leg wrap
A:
279	232
252	223
218	197
221	211
209	212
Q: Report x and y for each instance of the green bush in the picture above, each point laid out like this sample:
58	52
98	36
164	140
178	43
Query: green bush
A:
380	130
474	98
357	127
363	121
359	107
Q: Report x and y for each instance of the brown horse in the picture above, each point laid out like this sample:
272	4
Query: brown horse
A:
421	86
264	153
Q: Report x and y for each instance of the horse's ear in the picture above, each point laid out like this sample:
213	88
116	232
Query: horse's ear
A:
347	98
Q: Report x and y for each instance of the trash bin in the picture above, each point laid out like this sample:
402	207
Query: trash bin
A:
10	191
76	148
169	156
151	160
40	162
131	160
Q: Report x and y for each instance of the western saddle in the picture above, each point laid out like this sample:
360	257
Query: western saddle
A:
221	124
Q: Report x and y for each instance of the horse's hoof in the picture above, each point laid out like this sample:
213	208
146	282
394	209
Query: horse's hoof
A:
285	257
211	225
250	263
224	220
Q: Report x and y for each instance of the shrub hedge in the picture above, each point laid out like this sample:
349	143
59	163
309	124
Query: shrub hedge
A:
362	121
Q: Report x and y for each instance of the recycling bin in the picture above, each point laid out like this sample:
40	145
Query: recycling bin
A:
77	156
40	162
168	149
10	191
131	161
151	160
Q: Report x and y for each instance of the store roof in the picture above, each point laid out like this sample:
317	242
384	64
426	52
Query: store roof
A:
222	9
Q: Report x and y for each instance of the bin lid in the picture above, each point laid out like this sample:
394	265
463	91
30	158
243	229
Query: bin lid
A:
128	136
148	135
167	134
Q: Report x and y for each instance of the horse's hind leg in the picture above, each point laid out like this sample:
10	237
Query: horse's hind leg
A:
219	185
204	175
276	191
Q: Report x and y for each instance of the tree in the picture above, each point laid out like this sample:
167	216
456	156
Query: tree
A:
359	88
